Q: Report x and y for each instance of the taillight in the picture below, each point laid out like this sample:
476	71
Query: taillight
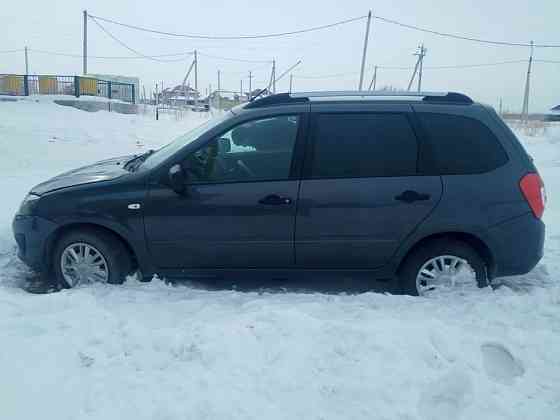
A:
533	190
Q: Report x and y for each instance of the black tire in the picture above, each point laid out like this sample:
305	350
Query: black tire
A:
119	261
415	261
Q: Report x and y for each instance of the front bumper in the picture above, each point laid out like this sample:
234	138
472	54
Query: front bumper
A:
518	245
31	234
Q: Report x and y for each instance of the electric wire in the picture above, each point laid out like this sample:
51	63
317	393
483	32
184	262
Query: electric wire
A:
240	60
547	61
464	37
456	66
342	22
102	57
124	45
231	37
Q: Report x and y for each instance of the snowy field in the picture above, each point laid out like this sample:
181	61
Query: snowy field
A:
153	351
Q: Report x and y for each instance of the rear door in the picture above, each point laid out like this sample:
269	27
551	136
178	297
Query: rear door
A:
361	195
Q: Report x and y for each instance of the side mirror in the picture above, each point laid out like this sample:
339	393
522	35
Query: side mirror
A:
178	179
224	145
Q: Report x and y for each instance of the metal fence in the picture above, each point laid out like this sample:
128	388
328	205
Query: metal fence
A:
25	85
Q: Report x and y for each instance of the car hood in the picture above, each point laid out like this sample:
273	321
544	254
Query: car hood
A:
104	170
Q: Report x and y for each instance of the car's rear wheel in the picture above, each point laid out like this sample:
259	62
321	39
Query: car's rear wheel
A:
90	256
443	266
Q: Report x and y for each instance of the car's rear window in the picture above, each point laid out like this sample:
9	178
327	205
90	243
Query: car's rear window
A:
461	145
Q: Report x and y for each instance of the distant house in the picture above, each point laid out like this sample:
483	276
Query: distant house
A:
117	91
178	96
554	114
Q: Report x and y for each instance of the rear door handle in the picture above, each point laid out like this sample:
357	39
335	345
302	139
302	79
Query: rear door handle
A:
275	200
409	196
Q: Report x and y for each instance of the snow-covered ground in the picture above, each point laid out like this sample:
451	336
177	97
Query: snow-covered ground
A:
153	351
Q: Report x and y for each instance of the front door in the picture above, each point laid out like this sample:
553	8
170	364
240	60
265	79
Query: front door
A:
361	196
239	207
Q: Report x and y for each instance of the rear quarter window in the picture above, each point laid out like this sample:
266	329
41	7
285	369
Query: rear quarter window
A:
461	145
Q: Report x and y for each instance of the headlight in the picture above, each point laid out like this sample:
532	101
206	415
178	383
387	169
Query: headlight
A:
28	204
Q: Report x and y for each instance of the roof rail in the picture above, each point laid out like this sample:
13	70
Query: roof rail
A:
301	97
279	99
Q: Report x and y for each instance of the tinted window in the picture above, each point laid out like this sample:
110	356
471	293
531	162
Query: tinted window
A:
363	145
461	145
253	151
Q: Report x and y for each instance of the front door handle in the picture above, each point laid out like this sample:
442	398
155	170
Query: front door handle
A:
275	200
409	196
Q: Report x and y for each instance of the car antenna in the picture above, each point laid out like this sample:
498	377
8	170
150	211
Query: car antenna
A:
275	79
258	94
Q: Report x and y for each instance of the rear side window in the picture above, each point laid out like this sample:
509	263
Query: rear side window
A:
461	145
363	145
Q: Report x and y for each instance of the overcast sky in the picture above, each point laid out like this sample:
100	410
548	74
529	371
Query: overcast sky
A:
57	26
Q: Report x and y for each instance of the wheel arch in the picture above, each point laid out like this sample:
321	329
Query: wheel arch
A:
64	229
474	241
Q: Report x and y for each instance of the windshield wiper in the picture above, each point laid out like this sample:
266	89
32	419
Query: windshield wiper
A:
134	163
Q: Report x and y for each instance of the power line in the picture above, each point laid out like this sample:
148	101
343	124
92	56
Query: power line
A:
136	57
464	37
231	37
12	51
317	28
456	66
240	60
395	67
102	57
138	53
155	58
547	61
326	76
467	66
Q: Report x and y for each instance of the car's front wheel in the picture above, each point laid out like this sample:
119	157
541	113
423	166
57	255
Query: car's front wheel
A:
442	266
90	256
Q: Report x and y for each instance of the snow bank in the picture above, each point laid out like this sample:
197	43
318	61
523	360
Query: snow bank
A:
39	139
153	351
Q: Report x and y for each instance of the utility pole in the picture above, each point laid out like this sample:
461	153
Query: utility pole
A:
362	69
84	69
195	79
185	86
26	62
241	89
421	55
250	88
218	91
144	95
273	76
525	110
374	79
291	82
501	107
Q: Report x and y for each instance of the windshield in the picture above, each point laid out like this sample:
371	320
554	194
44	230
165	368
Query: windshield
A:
159	156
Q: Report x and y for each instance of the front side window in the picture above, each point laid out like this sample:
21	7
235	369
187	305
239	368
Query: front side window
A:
257	150
363	145
170	149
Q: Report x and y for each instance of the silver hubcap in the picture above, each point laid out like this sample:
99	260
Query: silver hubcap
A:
445	272
82	263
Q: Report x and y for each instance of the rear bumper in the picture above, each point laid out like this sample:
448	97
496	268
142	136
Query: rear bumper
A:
517	245
31	233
